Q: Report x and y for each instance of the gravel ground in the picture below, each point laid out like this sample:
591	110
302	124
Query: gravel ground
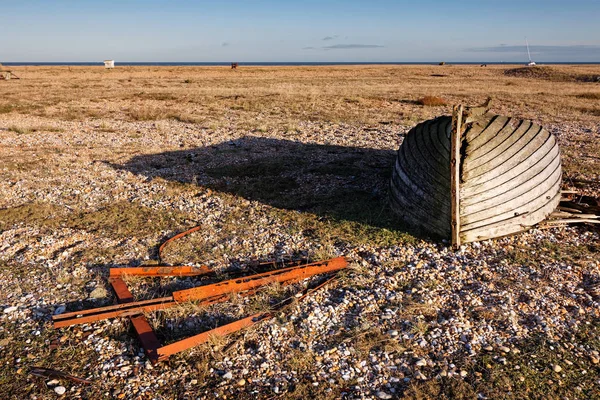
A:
408	313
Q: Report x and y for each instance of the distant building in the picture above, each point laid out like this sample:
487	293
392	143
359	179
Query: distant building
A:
109	64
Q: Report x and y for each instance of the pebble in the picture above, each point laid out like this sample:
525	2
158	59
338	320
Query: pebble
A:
228	375
59	310
556	368
60	390
98	293
421	362
504	349
383	395
9	310
420	376
241	382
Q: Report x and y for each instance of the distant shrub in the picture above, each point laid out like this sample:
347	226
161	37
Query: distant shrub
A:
432	101
146	114
589	96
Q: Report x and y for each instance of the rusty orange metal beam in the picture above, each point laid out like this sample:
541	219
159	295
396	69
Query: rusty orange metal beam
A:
185	344
142	328
161	270
205	295
292	274
123	312
170	349
179	235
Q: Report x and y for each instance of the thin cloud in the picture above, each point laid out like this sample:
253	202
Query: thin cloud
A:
330	37
504	48
308	48
351	46
225	44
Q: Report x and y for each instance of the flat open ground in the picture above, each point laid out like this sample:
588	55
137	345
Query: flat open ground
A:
98	167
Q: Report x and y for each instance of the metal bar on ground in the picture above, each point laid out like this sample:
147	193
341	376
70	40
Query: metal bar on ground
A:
170	349
255	281
142	328
160	270
112	314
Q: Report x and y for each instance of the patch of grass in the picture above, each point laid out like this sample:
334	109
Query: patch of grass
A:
122	219
589	96
590	111
31	214
432	101
19	130
147	113
185	117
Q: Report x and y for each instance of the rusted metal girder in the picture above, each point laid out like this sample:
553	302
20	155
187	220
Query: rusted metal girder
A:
161	270
142	328
286	275
204	295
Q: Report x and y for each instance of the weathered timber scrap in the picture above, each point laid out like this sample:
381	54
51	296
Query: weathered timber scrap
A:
508	177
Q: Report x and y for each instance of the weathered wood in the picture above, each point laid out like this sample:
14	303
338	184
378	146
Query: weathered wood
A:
511	226
530	166
505	193
475	176
455	161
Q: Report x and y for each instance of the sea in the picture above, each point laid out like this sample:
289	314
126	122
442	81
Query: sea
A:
270	64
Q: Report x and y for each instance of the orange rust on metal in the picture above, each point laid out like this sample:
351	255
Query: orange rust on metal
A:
179	235
115	307
74	320
255	281
142	328
121	290
213	294
161	270
147	337
170	349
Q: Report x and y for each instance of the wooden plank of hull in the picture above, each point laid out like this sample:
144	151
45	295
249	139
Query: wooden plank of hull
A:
482	131
417	208
521	205
411	161
420	184
520	148
532	165
512	226
501	143
510	177
509	192
429	163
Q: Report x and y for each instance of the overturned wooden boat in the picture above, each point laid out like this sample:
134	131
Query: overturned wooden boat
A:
476	175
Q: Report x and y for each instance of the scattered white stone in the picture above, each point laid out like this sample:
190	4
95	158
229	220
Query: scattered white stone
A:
421	362
60	390
228	375
9	310
556	368
383	395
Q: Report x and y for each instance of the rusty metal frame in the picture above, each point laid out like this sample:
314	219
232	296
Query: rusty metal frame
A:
203	295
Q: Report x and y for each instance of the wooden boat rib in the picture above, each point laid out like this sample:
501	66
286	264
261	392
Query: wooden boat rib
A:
509	176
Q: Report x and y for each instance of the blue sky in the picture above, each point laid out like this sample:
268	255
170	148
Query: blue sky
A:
434	30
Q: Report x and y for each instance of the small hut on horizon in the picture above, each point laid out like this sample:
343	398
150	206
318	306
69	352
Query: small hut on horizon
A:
109	64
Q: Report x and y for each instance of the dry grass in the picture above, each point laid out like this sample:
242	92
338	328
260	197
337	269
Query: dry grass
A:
432	101
589	96
169	108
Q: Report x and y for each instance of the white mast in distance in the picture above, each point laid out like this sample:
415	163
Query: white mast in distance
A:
531	63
